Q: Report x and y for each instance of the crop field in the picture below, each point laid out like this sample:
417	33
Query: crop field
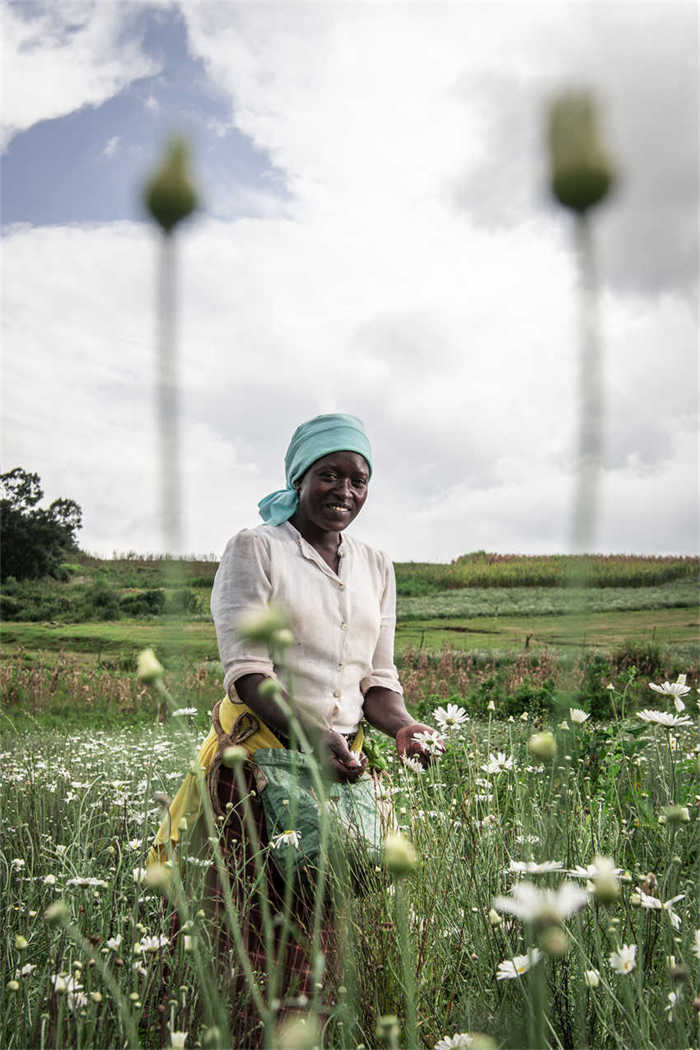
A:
507	931
553	901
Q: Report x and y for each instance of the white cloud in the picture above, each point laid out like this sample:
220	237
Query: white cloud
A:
58	57
111	146
379	288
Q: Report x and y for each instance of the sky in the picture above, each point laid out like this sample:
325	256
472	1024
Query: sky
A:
375	236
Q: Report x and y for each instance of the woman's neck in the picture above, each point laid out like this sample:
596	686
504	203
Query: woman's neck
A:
326	543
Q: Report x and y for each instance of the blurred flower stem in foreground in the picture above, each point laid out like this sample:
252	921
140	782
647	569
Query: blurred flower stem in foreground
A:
581	176
169	197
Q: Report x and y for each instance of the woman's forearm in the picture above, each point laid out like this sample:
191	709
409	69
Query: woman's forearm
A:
386	710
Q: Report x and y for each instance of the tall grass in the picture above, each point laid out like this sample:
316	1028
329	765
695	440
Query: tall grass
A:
83	807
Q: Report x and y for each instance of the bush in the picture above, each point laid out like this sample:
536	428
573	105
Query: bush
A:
184	600
101	602
647	657
145	603
594	693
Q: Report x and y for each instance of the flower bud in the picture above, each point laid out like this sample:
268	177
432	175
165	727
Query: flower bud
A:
591	978
12	986
298	1032
677	814
56	913
400	856
270	689
169	195
148	667
554	940
21	942
494	918
234	756
259	625
157	877
542	745
581	171
606	886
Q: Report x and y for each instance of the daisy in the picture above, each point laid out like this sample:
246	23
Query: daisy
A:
287	838
413	763
114	943
624	959
430	742
675	689
498	763
450	718
663	718
177	1040
591	978
458	1041
696	944
532	904
511	968
577	715
529	867
654	904
185	712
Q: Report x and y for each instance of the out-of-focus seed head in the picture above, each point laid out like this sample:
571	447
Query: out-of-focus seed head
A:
56	913
234	756
298	1031
677	814
542	745
581	171
400	856
170	195
260	625
270	689
148	667
554	940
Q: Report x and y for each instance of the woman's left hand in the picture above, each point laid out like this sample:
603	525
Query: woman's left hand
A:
419	741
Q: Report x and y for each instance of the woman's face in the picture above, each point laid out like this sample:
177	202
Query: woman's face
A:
333	490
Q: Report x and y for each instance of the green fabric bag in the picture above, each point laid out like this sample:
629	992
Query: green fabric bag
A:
290	804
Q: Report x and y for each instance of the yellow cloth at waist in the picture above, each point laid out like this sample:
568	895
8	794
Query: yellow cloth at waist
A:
186	807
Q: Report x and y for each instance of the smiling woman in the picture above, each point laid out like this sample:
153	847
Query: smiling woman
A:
339	597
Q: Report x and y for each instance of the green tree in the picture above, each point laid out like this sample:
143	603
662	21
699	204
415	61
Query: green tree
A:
35	539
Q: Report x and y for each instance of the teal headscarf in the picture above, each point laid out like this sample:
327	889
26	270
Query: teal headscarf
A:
310	441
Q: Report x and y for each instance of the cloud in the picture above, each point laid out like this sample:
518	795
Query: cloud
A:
152	104
471	407
59	57
413	276
111	146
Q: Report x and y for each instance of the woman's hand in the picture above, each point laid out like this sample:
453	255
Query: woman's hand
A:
412	743
343	763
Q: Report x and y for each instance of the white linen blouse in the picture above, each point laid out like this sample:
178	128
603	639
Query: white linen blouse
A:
343	624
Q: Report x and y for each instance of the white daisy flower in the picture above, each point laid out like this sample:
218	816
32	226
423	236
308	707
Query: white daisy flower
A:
498	763
591	978
286	838
412	763
654	904
450	718
430	742
530	867
671	1005
185	712
458	1041
516	967
663	718
624	959
532	904
675	689
696	944
577	716
114	943
86	881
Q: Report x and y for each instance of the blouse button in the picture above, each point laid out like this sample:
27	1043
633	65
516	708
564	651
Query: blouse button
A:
336	693
341	586
343	627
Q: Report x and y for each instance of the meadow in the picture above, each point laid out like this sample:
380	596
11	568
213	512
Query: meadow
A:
553	900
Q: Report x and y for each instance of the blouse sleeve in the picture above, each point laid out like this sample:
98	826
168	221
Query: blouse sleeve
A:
384	673
242	583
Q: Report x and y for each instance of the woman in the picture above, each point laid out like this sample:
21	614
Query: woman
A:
340	597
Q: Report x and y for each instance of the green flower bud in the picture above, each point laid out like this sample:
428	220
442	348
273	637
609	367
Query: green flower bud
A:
12	986
261	625
298	1032
148	667
677	814
169	195
400	856
270	689
56	913
542	745
233	756
21	942
581	171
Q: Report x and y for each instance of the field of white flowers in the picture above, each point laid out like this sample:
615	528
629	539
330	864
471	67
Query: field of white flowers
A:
553	900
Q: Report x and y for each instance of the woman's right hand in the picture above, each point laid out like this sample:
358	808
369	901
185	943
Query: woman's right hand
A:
343	763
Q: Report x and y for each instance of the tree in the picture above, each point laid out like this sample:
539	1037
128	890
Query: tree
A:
35	540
